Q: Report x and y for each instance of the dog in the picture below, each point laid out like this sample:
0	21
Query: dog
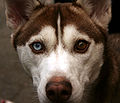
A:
66	49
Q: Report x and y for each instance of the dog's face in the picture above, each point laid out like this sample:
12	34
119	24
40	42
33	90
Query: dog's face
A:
60	43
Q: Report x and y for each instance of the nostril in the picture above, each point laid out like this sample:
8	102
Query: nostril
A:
65	93
58	91
50	93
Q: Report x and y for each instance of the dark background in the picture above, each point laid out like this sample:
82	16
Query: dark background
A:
115	22
114	26
15	85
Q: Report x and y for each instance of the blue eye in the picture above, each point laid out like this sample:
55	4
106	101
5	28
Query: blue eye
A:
37	47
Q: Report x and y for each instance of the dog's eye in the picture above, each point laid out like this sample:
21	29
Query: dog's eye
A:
37	47
81	46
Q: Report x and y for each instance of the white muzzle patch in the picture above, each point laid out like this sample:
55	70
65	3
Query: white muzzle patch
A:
79	69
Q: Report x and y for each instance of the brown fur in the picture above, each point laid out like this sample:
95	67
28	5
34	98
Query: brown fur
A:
104	89
37	21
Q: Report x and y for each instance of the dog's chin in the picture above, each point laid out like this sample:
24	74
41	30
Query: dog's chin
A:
45	100
58	101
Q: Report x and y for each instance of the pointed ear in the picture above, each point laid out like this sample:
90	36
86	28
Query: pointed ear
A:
18	12
98	10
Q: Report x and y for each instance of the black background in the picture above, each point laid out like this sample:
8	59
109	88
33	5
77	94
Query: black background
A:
114	26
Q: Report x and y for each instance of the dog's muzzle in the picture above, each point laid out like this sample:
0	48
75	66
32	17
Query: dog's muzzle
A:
58	90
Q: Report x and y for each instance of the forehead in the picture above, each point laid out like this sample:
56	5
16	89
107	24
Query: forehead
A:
48	16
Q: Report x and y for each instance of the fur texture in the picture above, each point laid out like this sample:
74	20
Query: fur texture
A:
94	73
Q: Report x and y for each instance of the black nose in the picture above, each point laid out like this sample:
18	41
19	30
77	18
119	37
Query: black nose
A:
58	90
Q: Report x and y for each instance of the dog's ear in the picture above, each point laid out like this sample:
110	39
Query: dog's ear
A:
18	11
98	10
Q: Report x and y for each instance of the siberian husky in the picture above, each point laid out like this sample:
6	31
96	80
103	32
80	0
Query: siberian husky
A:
65	48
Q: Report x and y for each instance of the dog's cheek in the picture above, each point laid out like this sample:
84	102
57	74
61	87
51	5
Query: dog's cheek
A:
30	63
86	68
28	60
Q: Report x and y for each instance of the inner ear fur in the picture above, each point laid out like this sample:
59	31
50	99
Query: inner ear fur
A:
98	10
18	11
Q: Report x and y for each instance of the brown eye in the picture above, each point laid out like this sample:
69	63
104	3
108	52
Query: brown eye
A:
81	46
37	47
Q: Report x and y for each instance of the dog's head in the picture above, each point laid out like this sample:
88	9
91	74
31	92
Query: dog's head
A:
61	45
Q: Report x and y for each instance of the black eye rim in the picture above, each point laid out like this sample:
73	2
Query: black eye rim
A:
42	50
77	50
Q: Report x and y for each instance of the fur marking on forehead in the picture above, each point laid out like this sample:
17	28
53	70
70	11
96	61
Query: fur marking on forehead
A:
49	16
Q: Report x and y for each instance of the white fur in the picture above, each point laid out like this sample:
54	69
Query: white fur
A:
78	68
47	35
71	35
